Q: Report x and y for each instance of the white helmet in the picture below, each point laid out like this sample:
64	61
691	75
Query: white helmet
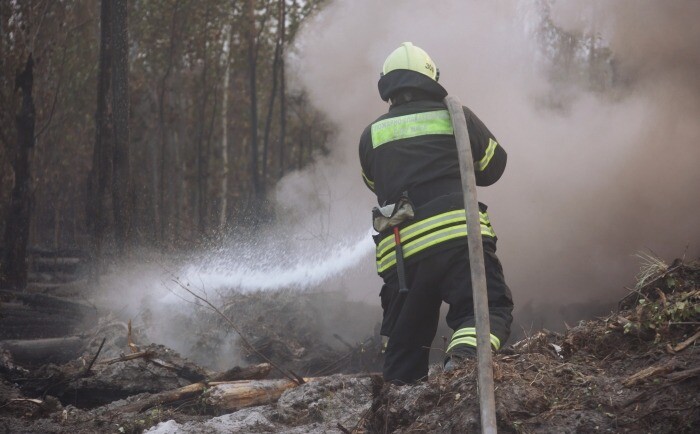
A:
412	58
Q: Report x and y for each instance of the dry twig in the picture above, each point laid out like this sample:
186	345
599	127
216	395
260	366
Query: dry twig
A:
290	375
686	343
682	375
127	357
650	372
130	341
92	362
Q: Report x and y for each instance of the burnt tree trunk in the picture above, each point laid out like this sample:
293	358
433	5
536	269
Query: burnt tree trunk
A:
223	149
202	156
109	178
163	215
13	272
37	352
273	90
100	174
283	101
121	185
252	77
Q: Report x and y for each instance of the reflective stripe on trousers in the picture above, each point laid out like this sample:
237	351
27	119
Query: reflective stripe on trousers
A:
467	336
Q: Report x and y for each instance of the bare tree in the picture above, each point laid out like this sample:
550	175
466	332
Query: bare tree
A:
121	181
283	97
110	177
273	90
163	217
100	174
14	264
200	204
253	89
223	150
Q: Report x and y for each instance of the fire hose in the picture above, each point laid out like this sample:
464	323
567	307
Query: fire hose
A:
487	402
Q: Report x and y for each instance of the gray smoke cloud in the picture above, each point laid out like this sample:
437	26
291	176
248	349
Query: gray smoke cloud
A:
595	173
588	183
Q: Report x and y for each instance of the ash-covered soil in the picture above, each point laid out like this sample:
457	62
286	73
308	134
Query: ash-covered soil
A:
637	370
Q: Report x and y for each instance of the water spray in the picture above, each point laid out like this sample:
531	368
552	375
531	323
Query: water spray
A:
274	270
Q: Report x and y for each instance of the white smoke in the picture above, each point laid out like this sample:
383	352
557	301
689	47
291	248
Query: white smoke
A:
587	185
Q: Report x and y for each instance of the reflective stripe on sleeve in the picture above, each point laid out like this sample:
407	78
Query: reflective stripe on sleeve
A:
488	155
368	181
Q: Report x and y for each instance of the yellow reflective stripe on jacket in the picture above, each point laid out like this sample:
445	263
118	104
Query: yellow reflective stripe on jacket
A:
467	336
488	155
410	232
422	235
422	243
413	230
413	125
429	240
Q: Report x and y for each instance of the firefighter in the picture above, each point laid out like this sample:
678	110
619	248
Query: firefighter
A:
410	153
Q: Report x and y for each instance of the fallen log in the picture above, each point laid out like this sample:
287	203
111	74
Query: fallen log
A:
158	370
36	352
68	265
685	344
229	397
160	356
36	316
193	390
683	375
237	373
649	373
162	398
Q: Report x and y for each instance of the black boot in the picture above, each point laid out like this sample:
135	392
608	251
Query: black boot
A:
458	356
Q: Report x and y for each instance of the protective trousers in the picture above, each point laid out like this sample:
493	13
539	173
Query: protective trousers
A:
411	321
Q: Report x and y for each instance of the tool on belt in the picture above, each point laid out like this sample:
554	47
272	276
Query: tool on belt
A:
390	217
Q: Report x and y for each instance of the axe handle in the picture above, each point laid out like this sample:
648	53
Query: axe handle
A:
400	271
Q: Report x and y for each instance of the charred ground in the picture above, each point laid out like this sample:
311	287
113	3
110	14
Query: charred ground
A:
636	370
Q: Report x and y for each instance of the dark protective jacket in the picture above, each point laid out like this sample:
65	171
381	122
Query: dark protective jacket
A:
412	149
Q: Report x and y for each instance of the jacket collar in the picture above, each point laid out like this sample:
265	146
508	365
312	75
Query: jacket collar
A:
402	79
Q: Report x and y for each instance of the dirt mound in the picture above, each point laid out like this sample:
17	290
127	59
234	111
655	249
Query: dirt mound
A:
637	370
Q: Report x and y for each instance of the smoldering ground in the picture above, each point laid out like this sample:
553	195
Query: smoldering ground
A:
602	163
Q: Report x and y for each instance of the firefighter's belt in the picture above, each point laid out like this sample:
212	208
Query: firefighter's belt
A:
388	216
427	233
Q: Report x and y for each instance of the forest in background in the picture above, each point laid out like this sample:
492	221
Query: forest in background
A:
154	123
163	124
